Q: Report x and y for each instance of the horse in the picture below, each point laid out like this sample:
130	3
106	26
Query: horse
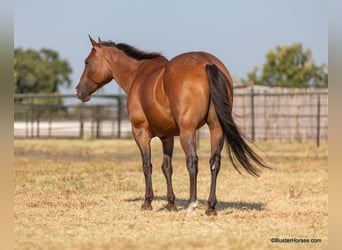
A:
168	98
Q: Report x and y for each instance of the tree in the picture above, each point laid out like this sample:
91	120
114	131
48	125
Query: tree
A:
290	66
39	71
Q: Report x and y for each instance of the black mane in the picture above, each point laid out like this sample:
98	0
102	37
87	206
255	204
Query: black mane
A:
132	51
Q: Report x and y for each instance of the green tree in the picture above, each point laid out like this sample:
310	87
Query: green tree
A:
290	66
39	71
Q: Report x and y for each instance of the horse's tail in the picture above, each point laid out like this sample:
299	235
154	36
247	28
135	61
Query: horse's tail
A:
238	150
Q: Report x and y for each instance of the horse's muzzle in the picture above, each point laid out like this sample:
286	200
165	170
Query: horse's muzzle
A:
84	96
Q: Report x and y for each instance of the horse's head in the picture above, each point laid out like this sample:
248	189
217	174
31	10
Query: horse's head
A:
96	73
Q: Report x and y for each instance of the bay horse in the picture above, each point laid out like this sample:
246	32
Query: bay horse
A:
167	98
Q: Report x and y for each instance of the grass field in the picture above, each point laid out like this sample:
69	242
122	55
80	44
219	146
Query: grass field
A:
83	194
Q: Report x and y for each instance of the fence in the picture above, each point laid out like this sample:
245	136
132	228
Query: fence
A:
281	114
262	113
36	116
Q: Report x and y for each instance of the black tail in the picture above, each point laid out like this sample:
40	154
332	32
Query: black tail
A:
238	149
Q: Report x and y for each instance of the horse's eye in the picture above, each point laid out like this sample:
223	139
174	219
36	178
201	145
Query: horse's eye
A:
86	62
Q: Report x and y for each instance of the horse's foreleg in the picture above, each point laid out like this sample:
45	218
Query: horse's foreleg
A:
188	142
143	140
167	170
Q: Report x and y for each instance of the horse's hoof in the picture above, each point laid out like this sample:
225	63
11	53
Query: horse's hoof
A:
146	206
171	207
211	212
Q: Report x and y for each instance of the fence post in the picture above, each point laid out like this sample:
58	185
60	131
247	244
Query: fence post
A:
318	120
38	121
252	113
266	117
119	114
81	121
32	119
98	120
27	122
49	126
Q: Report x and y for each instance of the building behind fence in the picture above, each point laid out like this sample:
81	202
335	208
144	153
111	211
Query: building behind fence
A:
262	113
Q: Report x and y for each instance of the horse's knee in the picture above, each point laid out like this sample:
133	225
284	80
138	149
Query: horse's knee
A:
147	168
167	166
192	164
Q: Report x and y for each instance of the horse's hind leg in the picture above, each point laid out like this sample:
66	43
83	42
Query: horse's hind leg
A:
217	141
188	142
167	170
143	140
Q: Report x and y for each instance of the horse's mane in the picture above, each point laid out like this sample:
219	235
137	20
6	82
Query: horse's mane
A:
132	51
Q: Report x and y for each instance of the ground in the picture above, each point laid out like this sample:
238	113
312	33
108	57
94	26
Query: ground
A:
86	194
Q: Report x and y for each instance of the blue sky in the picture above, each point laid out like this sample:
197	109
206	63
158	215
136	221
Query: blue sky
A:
237	32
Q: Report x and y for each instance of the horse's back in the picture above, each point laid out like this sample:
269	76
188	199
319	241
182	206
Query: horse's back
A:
187	71
196	61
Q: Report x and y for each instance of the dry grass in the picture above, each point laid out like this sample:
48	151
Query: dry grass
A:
87	195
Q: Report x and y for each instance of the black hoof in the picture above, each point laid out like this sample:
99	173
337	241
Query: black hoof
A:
211	212
171	207
146	206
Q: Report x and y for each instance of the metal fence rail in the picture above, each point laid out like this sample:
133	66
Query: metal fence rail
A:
262	113
283	114
60	116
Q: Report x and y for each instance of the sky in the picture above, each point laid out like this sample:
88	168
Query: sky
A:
239	33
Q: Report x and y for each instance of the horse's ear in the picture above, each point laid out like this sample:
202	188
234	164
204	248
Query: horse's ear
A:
99	40
93	42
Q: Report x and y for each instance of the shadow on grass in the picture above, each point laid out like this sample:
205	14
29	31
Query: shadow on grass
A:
221	205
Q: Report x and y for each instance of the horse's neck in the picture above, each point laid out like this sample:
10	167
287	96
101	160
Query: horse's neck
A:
124	69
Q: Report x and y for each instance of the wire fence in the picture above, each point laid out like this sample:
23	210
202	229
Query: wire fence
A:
282	114
262	113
